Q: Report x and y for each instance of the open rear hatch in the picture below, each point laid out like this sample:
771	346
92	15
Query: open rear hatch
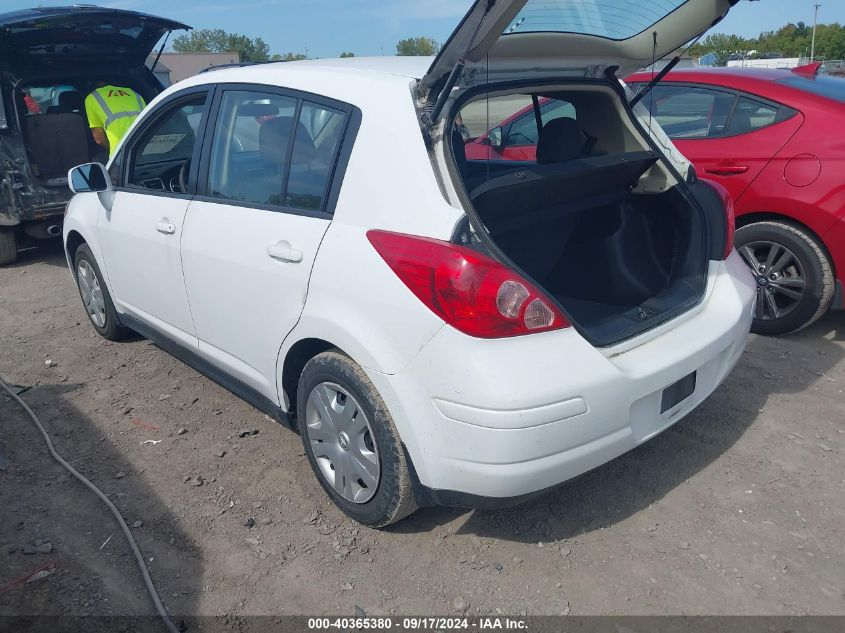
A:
532	39
592	211
66	34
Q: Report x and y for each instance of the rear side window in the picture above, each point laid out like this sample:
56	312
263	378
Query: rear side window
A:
269	149
249	147
317	140
689	112
750	115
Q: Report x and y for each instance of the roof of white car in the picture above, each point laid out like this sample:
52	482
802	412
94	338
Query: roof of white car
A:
359	81
374	68
412	67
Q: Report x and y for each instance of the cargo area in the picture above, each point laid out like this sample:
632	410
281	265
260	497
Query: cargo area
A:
55	128
585	207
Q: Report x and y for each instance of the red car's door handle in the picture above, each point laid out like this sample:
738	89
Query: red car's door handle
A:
727	170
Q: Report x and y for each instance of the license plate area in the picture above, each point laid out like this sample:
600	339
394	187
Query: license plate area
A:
677	392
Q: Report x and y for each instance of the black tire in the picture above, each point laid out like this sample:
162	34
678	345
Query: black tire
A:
815	268
111	329
8	247
394	497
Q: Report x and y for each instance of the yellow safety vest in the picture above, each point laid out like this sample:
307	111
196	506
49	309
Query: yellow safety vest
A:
113	108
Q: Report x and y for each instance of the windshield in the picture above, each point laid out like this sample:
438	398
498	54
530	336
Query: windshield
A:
611	19
830	87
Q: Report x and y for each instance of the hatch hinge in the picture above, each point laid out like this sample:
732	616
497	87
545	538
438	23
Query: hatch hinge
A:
433	107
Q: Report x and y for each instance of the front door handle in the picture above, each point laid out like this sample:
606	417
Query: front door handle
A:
165	226
727	170
283	251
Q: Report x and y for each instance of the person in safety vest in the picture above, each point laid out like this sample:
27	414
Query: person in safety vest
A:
111	111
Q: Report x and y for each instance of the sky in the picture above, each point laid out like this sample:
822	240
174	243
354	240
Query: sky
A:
326	28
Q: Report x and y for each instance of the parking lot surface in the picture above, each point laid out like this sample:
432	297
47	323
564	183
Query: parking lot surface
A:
735	510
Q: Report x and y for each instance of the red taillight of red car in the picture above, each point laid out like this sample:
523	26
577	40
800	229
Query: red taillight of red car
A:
730	215
470	291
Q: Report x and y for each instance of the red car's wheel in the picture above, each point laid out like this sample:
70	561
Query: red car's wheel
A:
793	273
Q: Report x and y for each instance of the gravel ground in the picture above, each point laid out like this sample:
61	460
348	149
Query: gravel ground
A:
735	510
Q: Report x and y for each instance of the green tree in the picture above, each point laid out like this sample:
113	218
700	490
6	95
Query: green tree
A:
288	57
219	41
417	46
344	55
791	40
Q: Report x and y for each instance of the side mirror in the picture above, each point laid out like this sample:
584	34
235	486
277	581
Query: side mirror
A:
494	137
89	178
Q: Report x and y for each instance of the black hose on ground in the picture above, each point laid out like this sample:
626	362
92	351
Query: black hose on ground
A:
137	552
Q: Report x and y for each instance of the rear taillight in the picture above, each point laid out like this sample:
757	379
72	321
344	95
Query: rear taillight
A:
730	215
470	291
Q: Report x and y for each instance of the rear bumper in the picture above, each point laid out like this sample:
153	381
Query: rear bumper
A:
489	422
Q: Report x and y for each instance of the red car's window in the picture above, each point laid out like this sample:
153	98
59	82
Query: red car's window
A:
699	112
690	112
506	127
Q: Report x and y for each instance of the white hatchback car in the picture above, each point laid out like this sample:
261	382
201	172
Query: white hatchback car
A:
348	245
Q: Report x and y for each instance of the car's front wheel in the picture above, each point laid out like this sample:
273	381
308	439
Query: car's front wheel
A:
351	441
794	277
95	296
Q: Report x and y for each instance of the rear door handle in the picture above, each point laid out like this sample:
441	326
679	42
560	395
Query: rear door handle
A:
165	226
283	251
727	170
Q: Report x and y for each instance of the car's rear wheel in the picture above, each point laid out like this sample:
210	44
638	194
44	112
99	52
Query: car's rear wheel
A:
95	296
794	276
351	441
8	247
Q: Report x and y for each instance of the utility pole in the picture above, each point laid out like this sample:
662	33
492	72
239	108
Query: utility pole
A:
813	46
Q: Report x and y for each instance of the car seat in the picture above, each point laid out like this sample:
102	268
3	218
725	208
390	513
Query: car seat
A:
560	140
70	101
56	142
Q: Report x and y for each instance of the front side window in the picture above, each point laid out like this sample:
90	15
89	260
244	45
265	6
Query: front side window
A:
267	151
160	159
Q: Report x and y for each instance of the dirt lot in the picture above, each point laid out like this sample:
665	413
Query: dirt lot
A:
736	510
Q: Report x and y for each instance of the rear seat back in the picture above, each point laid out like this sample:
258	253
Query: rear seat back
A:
56	142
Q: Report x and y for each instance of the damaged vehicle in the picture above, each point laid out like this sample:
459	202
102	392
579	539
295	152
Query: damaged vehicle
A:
50	60
439	328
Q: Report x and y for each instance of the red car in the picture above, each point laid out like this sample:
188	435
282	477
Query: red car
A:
774	139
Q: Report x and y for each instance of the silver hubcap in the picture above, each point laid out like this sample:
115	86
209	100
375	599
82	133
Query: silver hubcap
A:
92	294
342	442
780	279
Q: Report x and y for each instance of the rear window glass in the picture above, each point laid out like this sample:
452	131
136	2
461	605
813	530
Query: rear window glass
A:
830	87
611	19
